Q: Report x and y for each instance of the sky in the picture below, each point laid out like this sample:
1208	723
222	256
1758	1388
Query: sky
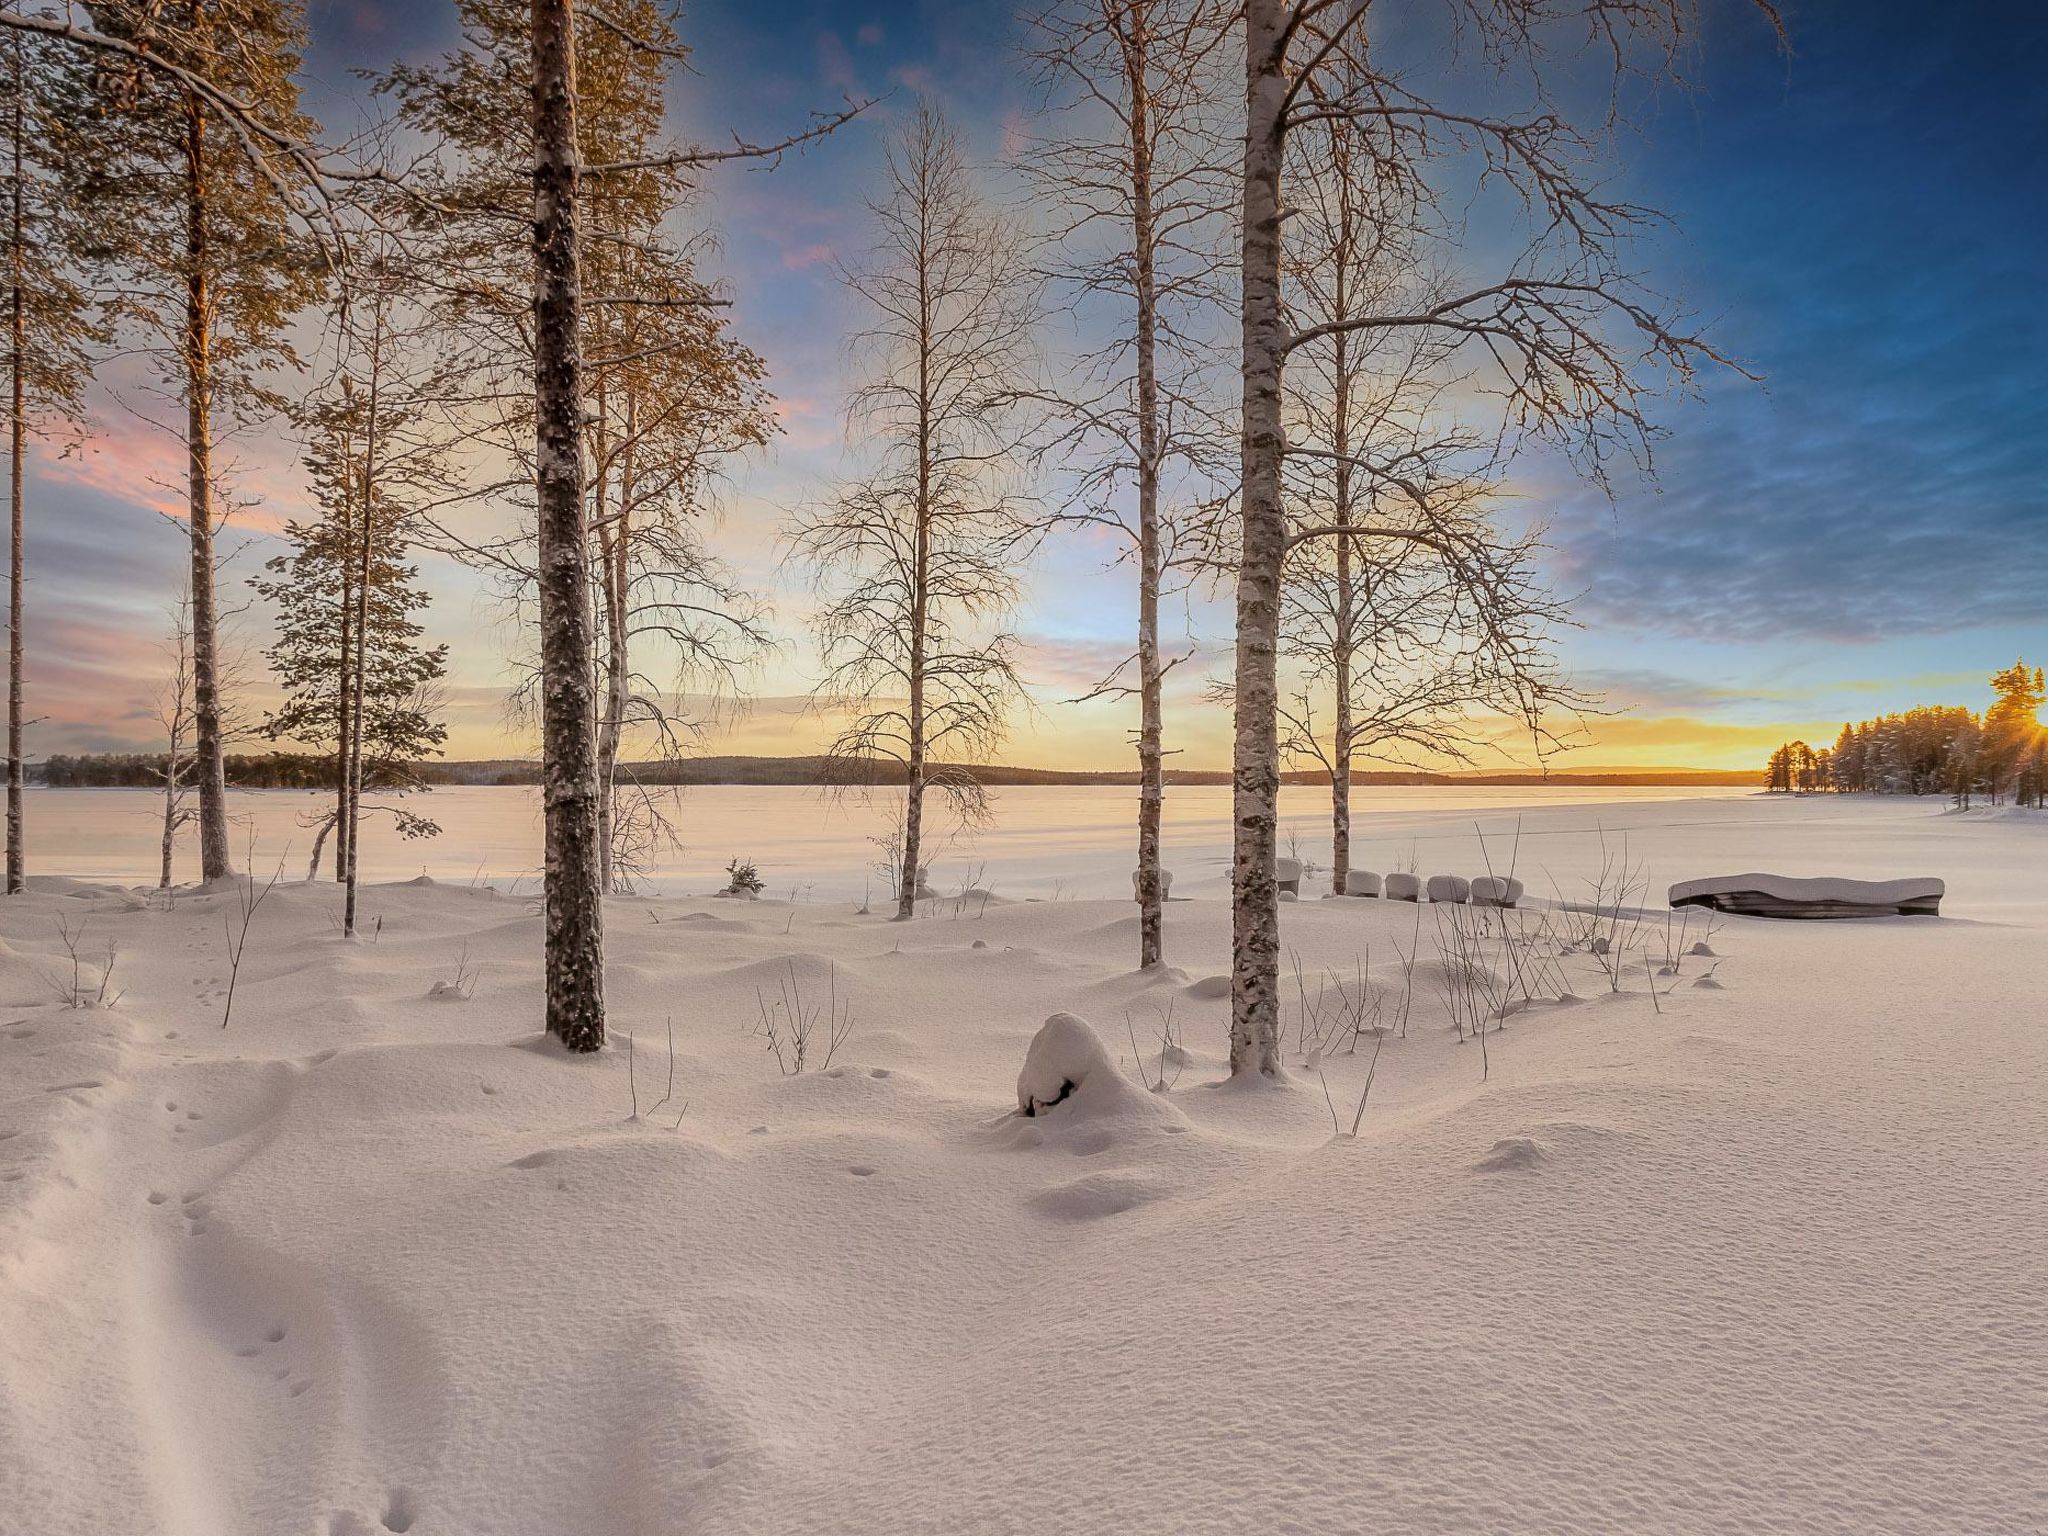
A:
1862	220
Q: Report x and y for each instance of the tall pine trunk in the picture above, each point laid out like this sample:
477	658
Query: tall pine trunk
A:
1255	768
575	891
216	862
1151	767
17	431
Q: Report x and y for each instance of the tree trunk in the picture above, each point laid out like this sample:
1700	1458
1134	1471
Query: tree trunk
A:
1151	771
914	766
344	715
575	892
216	861
1255	769
320	842
614	535
913	788
352	779
163	882
1343	637
17	431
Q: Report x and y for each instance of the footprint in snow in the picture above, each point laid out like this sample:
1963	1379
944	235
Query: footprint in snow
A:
400	1510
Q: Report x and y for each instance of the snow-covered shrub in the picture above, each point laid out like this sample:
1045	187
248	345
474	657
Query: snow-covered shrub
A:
743	879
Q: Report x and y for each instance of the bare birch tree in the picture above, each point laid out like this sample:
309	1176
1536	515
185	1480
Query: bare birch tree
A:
917	557
1568	341
1134	171
1401	649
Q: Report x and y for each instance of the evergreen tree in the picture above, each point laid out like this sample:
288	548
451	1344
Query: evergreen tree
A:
357	681
2012	725
198	214
51	322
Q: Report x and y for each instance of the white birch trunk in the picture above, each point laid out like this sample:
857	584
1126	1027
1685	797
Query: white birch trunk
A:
1255	768
1151	756
575	893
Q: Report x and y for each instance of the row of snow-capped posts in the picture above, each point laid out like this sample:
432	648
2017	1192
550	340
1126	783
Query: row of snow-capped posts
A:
1483	891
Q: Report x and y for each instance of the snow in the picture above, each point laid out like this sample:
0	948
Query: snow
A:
1812	888
363	1261
1496	891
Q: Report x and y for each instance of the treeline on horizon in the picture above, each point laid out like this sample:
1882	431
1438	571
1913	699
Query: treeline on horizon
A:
315	771
1938	749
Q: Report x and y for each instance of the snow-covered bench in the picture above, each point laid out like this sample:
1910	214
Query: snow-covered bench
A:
1820	896
1362	882
1287	872
1402	886
1165	885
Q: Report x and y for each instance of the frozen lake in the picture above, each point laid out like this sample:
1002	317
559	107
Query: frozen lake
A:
1076	841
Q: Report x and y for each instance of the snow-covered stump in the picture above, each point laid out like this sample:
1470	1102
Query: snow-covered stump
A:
1287	876
1451	888
1070	1076
1067	1060
1401	886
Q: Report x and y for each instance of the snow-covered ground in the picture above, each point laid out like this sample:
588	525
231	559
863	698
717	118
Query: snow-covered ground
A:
1772	1259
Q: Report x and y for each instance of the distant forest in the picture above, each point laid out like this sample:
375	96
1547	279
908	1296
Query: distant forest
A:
307	770
1938	749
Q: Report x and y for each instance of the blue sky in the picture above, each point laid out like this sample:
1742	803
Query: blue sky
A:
1865	221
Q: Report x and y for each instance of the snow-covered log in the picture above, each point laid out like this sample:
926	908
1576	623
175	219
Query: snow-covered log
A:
1758	895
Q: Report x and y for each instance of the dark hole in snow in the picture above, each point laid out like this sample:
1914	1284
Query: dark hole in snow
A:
1038	1106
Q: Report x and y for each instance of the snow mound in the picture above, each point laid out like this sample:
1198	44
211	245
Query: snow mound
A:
1210	986
1402	886
1496	891
1069	1070
1452	888
1513	1154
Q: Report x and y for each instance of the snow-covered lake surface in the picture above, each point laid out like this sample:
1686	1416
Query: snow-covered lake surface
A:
1763	1252
1070	841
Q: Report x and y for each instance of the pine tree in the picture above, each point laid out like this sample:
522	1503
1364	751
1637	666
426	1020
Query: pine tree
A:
204	231
51	325
357	682
2012	725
